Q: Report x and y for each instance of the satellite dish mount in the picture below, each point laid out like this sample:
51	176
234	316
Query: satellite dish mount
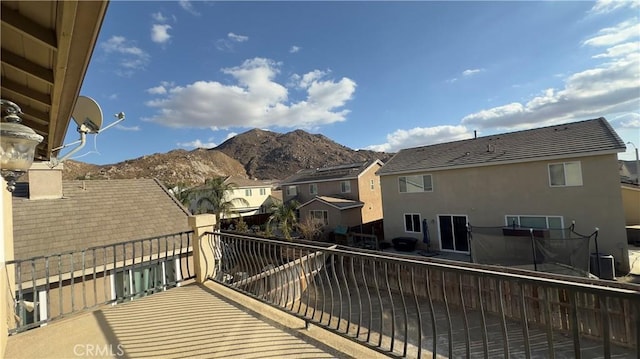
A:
88	116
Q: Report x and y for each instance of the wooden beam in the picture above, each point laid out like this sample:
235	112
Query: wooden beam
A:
29	28
25	66
25	92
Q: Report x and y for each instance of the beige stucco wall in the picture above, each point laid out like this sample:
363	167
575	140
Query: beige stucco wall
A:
372	198
255	200
487	194
336	217
631	204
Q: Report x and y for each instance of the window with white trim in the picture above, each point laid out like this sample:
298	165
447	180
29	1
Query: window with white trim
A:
247	192
319	217
372	185
345	186
541	222
292	191
263	191
313	188
565	174
412	222
147	278
416	183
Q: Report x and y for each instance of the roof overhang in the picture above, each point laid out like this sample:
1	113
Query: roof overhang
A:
46	48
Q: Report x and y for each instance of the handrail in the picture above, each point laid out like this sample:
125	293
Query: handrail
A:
382	300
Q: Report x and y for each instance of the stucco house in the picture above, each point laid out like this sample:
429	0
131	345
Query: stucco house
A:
345	195
258	194
546	177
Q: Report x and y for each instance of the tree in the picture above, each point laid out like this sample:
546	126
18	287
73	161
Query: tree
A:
182	193
310	229
212	198
284	217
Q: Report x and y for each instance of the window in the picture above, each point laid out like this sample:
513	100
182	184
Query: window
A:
412	222
565	174
542	222
313	188
345	187
292	191
419	183
28	310
247	192
372	185
263	191
319	217
141	280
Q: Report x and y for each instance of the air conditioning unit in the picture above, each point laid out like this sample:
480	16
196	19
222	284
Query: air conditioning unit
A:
607	263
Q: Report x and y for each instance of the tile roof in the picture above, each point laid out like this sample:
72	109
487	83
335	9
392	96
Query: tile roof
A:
93	213
339	203
567	140
332	173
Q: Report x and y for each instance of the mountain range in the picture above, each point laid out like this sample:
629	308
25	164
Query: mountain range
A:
255	154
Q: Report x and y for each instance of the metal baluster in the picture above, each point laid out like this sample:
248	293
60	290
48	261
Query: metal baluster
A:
503	321
355	284
434	326
577	352
366	287
36	305
335	277
393	309
95	289
346	288
417	303
380	304
84	285
524	320
330	283
448	313
47	287
406	314
72	284
60	284
464	316
483	319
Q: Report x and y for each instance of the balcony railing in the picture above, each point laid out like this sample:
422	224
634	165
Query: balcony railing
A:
409	307
53	286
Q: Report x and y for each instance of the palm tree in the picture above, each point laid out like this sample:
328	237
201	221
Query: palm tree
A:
182	193
284	216
212	198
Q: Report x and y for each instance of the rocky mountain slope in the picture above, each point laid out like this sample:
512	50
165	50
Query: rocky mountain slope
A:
254	154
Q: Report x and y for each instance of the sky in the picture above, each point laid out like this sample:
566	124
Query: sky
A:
366	74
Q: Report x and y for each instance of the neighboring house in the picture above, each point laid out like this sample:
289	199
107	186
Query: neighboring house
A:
631	199
545	177
52	217
346	195
259	195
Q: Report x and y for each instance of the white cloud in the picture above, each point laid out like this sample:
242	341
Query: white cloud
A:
256	100
158	90
470	72
422	136
624	31
188	7
606	6
113	96
160	33
130	57
157	16
128	128
620	50
294	49
196	144
237	38
628	120
231	135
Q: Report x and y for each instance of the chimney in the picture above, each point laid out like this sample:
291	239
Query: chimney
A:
45	182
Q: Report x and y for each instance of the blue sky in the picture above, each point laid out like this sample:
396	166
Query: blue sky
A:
366	74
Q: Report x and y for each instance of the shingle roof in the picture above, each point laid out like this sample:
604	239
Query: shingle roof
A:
95	213
567	140
339	203
332	173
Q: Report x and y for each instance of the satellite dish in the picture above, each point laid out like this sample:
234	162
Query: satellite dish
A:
87	113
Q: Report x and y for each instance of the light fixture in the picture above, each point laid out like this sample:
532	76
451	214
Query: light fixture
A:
17	144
